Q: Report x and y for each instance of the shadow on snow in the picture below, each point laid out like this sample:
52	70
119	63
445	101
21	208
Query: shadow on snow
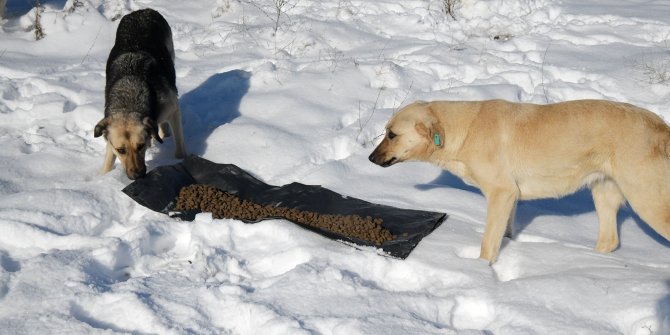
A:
664	311
212	104
574	204
18	8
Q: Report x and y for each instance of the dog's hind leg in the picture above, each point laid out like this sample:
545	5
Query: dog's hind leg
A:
108	164
648	193
177	131
501	204
607	199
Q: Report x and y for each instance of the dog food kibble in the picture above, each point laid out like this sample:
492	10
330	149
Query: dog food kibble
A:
224	205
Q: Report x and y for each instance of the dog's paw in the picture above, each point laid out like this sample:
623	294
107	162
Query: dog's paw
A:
605	248
488	255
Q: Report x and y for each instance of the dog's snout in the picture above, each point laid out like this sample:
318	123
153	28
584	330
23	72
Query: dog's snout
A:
136	173
374	157
381	160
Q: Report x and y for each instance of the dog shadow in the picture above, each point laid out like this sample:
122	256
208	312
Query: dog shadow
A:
527	211
575	204
448	179
664	311
18	8
627	212
212	104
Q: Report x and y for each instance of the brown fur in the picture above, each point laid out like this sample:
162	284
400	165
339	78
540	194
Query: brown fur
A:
517	151
133	137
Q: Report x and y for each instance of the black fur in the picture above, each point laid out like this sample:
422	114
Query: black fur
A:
140	68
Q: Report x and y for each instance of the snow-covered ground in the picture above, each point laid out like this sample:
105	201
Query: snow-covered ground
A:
304	98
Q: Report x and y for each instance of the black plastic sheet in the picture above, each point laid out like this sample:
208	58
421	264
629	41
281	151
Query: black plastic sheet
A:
159	190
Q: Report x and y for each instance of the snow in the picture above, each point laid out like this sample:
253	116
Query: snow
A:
305	99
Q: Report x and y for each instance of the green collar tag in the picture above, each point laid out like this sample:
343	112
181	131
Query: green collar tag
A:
437	140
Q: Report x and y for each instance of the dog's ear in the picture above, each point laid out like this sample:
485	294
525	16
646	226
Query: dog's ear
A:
431	129
436	128
101	127
423	130
152	128
437	132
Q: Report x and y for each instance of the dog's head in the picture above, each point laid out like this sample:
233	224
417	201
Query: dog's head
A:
412	134
129	138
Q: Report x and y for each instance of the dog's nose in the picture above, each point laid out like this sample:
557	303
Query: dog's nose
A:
372	157
138	173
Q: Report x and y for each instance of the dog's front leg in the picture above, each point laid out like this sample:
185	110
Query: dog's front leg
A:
501	205
108	164
607	199
164	130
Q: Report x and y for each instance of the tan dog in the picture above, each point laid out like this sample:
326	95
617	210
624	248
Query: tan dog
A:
517	151
140	92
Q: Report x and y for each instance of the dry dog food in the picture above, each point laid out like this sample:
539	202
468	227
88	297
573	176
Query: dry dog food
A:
224	205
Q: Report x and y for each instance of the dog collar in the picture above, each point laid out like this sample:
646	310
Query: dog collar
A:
437	140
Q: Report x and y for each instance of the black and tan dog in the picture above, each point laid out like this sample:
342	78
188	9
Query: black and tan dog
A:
140	92
517	151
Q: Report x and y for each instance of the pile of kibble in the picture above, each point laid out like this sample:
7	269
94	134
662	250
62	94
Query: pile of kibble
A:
224	205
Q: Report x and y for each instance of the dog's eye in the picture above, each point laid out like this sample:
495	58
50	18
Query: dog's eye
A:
121	151
391	135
